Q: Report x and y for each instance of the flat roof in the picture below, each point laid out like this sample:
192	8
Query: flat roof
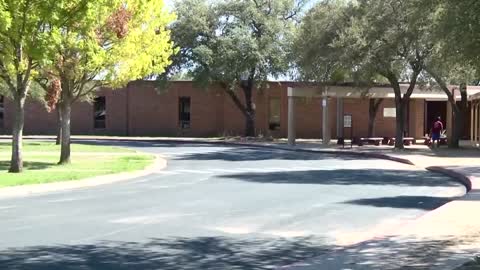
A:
383	91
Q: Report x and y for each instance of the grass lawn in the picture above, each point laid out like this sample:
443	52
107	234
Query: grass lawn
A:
40	158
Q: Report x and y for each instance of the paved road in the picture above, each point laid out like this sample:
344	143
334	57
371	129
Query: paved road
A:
218	207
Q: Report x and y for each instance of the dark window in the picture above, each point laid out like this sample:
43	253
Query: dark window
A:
2	110
100	111
274	114
184	112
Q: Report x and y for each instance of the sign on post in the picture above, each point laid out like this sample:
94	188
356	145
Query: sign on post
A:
389	112
347	121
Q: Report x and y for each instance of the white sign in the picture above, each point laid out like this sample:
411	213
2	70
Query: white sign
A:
324	102
347	121
389	112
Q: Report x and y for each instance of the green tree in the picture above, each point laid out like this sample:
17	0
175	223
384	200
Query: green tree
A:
29	31
238	44
382	38
455	57
114	43
318	60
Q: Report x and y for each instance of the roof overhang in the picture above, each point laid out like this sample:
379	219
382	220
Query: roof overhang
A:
475	96
378	92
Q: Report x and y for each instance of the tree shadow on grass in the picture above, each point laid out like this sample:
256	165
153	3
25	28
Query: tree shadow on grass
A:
349	177
217	253
27	165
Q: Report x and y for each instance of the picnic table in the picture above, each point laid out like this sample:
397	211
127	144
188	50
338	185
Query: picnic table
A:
371	140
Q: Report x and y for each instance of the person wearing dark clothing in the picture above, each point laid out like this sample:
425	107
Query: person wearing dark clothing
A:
437	130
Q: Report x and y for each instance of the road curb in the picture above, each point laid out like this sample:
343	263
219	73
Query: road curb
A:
467	181
159	163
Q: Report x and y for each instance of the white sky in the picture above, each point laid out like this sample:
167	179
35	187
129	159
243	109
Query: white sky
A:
170	2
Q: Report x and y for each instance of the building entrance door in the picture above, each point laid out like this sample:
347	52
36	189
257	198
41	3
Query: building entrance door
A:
433	110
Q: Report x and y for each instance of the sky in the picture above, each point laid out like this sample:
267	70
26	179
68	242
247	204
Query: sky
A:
311	2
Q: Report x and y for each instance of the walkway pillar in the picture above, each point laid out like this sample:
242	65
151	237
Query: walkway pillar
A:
472	120
325	121
339	117
291	117
475	138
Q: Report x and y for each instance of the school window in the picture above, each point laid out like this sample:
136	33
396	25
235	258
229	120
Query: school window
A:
1	111
100	111
184	112
274	114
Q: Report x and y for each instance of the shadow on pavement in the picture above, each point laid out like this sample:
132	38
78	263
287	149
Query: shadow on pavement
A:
256	154
396	253
349	177
166	254
404	202
219	253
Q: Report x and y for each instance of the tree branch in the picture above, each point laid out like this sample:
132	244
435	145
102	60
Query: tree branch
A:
235	99
6	78
443	85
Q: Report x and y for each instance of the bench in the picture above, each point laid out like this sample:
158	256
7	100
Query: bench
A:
375	141
406	141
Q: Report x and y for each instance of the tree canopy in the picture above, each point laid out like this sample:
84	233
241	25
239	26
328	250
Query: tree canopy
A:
237	43
114	43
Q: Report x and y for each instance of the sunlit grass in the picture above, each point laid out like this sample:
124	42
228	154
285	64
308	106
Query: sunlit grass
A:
40	163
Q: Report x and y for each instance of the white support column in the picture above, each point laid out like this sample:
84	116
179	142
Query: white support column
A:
472	120
340	117
475	123
291	117
477	120
325	121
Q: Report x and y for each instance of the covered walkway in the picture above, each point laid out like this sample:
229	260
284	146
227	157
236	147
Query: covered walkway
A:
335	96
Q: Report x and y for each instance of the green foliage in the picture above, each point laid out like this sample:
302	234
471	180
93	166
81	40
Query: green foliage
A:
390	38
26	40
456	41
314	54
228	41
92	53
461	30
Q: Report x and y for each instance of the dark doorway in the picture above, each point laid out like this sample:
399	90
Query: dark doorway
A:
184	112
433	110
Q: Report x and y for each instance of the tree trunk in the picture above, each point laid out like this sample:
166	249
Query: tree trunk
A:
59	127
374	105
65	109
249	111
458	119
400	124
16	163
458	125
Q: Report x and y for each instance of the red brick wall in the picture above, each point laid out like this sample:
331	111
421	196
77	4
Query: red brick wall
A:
417	118
358	108
140	110
385	126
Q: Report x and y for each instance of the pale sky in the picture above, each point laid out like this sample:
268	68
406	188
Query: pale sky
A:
170	2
